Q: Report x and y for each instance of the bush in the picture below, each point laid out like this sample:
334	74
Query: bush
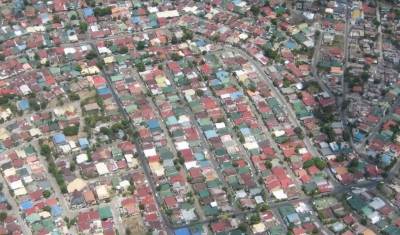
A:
71	130
46	193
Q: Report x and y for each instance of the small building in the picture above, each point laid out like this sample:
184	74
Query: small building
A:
59	139
92	108
84	143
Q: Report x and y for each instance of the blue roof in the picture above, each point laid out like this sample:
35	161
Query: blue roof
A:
359	136
71	32
56	211
41	80
292	218
44	16
172	120
222	74
199	156
386	158
136	20
236	2
2	198
210	134
245	131
204	163
200	43
83	141
182	231
59	138
88	12
26	205
103	91
152	124
23	105
153	23
215	82
236	95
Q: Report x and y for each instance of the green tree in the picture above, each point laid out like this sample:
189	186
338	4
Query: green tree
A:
141	45
45	150
70	130
46	193
363	221
47	208
123	50
169	212
174	39
141	67
78	68
73	17
3	216
83	26
2	57
199	92
298	130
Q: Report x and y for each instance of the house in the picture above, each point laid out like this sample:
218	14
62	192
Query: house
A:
84	143
59	139
77	199
91	108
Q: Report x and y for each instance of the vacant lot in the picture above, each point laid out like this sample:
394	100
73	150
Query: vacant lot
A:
86	94
49	143
338	43
135	224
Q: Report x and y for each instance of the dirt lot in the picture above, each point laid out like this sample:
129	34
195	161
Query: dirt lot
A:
135	224
86	94
338	43
49	143
53	103
72	138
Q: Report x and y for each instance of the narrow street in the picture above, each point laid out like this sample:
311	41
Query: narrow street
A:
204	142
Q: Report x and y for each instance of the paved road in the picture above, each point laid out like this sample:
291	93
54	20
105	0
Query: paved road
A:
141	157
204	142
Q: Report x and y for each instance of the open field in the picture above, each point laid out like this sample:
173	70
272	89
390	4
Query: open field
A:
135	224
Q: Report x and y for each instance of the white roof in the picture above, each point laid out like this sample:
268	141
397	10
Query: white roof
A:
20	192
28	179
150	152
25	89
35	131
124	184
167	14
16	185
81	158
69	50
191	164
377	203
279	133
182	145
72	144
65	148
102	168
374	217
128	158
253	145
220	125
9	172
279	194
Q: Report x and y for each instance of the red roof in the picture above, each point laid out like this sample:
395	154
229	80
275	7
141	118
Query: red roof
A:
36	195
218	227
170	201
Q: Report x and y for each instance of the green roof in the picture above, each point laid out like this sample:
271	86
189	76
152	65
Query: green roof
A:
356	202
105	212
209	210
48	224
382	224
366	210
213	183
204	193
276	230
33	218
286	210
29	150
114	181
